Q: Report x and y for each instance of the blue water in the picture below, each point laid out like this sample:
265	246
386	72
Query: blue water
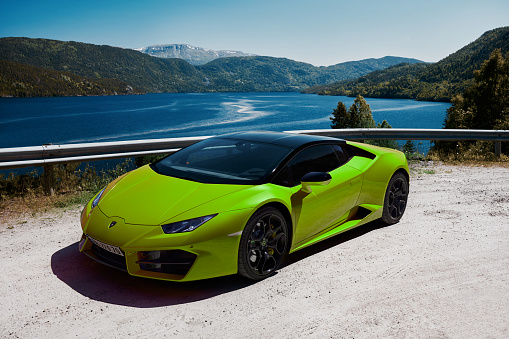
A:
36	121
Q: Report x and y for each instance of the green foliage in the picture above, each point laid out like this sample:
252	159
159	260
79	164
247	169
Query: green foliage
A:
19	80
93	181
488	98
430	82
20	185
341	118
411	152
460	65
67	178
484	105
478	151
361	113
359	116
409	147
261	74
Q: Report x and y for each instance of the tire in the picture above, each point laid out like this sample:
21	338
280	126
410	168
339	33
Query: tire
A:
395	199
263	244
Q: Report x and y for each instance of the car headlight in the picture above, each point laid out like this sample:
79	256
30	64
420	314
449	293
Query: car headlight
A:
186	225
97	198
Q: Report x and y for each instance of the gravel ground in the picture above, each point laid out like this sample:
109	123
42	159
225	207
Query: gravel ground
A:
442	271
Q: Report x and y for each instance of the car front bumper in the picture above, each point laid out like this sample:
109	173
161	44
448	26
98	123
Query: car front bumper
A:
146	251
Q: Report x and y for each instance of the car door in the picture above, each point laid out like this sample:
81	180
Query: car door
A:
325	206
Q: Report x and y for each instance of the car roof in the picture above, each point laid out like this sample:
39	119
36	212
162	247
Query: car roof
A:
292	140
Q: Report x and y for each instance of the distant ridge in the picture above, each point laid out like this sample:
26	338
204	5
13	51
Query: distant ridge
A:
150	74
194	55
429	82
265	74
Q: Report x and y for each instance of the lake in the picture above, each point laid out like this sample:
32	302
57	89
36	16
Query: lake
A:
62	120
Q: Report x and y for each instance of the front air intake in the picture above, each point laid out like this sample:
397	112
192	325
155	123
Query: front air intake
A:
171	262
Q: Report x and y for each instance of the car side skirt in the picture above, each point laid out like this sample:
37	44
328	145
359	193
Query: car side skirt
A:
360	215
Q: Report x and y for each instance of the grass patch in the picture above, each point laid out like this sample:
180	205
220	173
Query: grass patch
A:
22	195
427	171
420	167
480	152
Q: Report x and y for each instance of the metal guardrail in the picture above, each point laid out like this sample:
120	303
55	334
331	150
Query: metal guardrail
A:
48	155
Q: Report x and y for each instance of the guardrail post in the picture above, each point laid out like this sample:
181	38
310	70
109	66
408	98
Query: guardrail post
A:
498	148
49	180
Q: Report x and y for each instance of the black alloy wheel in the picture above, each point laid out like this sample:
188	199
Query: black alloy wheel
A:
263	244
395	199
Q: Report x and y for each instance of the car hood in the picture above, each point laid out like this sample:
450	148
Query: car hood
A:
144	197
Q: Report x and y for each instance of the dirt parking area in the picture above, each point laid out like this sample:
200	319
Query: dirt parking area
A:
442	271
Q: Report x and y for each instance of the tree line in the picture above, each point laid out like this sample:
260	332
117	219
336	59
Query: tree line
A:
483	105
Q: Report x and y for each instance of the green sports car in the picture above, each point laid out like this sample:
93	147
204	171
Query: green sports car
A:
238	203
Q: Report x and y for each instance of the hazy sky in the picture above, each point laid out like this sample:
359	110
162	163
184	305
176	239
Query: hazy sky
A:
320	32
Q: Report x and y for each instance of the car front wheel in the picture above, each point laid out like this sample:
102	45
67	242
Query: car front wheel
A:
263	244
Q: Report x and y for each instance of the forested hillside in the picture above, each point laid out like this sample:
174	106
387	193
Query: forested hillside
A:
142	71
433	82
19	80
157	75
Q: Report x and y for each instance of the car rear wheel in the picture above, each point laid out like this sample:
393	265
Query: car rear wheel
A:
263	244
395	199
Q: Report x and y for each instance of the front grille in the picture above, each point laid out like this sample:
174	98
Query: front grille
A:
109	258
170	262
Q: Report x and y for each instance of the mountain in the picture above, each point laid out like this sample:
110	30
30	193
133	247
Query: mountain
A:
371	65
158	75
19	80
259	74
460	65
398	81
194	55
149	74
431	82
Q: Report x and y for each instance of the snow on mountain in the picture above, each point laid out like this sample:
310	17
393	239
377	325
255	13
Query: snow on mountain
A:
193	55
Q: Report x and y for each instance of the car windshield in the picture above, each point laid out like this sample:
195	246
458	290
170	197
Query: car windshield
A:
223	161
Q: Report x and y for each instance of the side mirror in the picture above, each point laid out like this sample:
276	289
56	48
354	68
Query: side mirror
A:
314	179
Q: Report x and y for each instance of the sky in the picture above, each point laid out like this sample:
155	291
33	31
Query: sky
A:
319	32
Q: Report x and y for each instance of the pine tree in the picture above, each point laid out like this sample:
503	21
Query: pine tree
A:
384	124
360	113
359	116
340	117
409	147
485	105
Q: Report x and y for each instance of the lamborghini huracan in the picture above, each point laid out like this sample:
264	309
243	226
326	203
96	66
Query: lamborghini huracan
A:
238	203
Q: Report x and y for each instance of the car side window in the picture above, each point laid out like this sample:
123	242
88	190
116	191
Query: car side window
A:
321	158
342	153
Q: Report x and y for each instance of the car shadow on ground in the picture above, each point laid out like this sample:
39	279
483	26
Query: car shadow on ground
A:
102	283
